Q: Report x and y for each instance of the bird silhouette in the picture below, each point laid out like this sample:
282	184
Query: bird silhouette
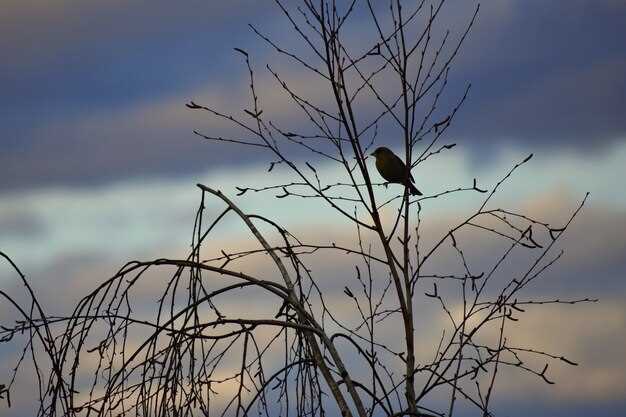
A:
393	169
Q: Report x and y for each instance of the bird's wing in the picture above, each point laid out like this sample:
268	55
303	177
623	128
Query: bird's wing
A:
397	161
400	163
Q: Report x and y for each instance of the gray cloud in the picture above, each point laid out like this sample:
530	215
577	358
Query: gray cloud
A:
17	224
543	75
548	75
591	335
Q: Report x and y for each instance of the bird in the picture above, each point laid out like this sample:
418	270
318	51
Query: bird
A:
393	169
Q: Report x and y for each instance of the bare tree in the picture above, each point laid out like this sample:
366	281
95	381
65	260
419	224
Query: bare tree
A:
190	357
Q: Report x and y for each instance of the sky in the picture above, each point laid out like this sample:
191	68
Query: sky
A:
99	161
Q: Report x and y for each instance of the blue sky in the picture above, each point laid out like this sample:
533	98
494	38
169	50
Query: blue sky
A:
99	162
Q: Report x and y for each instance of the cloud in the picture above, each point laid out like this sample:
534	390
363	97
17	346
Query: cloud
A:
571	108
152	137
590	335
94	217
64	60
546	75
32	32
86	102
85	234
16	223
64	67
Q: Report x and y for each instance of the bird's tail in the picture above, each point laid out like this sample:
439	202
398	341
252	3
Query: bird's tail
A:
413	190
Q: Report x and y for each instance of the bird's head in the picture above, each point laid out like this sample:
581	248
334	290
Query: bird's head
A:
381	151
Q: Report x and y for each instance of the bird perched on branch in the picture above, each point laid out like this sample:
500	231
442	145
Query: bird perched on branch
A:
393	169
